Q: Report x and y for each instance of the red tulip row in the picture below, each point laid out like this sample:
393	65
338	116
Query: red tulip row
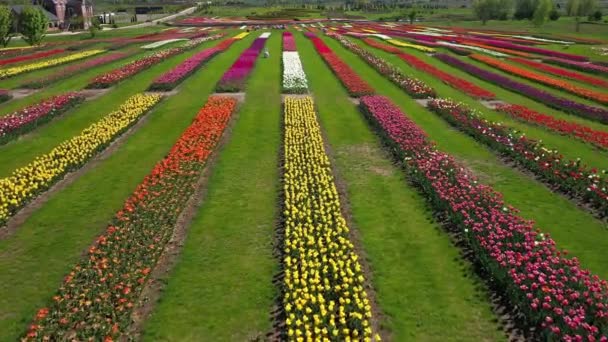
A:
28	118
561	72
97	297
569	176
354	84
30	57
554	293
453	81
585	133
601	97
385	47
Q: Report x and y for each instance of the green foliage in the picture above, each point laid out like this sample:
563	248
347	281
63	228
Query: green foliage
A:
411	16
6	23
554	15
580	8
524	9
95	26
491	9
596	16
542	12
33	25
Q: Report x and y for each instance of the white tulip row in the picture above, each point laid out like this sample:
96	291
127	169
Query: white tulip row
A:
294	78
161	43
474	48
265	35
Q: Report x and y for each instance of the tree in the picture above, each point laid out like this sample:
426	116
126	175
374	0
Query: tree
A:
6	25
33	24
412	16
580	8
542	12
524	9
95	26
483	10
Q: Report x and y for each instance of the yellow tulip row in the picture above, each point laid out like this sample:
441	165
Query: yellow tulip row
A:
12	71
413	46
241	35
324	296
27	182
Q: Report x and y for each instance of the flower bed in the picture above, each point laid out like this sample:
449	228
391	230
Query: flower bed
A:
378	45
175	76
341	309
569	176
97	297
582	66
16	70
27	182
354	84
27	119
576	108
409	45
540	78
30	57
158	44
472	47
73	70
5	95
294	78
525	48
553	292
413	86
569	128
561	72
289	43
453	81
234	79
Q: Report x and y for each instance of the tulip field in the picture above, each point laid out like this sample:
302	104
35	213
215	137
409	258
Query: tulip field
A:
214	180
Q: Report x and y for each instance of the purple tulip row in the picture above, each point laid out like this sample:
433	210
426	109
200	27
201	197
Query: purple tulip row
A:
582	66
569	106
553	291
234	79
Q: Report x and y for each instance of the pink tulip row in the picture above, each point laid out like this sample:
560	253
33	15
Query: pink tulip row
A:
27	119
289	43
234	79
553	292
569	176
173	77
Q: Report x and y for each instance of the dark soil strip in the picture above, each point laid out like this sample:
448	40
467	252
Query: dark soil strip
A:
24	213
156	283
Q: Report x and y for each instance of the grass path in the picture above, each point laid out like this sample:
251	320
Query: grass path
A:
572	228
422	286
34	260
221	289
41	140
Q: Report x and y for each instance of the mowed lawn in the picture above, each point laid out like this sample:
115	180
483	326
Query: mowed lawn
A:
425	290
221	289
572	228
35	259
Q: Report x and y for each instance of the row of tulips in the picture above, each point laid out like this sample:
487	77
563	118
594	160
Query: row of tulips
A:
108	79
27	119
19	69
553	292
289	43
569	128
234	79
568	176
582	66
5	95
73	70
561	72
451	80
353	83
569	106
323	294
175	76
410	45
413	86
27	182
97	297
601	97
31	56
378	45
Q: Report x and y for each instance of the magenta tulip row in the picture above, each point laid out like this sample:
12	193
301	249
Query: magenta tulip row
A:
234	79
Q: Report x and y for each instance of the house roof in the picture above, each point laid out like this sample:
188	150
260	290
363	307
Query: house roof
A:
19	8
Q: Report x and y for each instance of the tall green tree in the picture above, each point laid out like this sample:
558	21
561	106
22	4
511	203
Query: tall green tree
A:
580	8
524	9
33	25
542	12
6	25
412	16
483	10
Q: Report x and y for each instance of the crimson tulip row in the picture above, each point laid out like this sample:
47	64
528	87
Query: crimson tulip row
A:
175	76
600	97
353	83
234	78
569	176
28	118
97	297
30	57
453	81
570	128
413	86
553	292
